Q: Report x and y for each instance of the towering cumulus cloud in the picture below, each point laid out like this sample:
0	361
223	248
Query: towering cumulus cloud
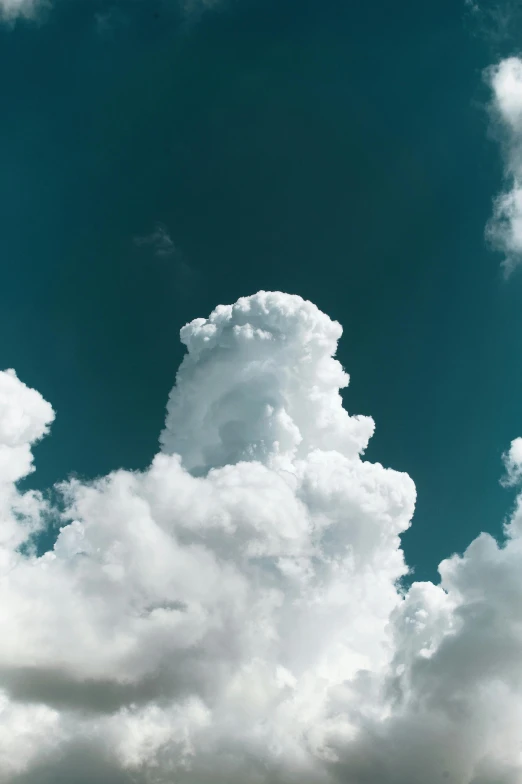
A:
231	615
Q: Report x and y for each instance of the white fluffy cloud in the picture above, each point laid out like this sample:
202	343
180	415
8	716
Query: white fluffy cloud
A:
232	614
505	226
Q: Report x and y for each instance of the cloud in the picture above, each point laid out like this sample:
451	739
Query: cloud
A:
110	20
513	463
232	614
163	247
194	8
159	240
10	10
106	21
505	227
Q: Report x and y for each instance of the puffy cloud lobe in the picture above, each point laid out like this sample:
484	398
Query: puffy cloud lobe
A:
232	614
505	227
24	418
259	382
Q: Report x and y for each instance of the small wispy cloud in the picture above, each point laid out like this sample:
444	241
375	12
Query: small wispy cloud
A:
193	8
160	242
472	6
106	20
496	23
109	21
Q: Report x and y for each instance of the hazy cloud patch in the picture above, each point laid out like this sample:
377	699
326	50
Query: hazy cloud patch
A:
161	244
10	10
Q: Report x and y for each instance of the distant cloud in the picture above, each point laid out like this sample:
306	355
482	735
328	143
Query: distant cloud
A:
162	246
10	10
505	226
159	240
110	20
106	21
193	8
496	23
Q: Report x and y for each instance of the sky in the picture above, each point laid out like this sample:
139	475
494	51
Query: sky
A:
216	573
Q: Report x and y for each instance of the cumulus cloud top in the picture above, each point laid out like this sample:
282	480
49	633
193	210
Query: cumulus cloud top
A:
232	614
260	382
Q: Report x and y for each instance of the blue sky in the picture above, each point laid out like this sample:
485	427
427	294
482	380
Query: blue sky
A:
159	159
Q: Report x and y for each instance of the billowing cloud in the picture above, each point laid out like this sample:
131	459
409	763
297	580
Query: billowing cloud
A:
232	614
505	227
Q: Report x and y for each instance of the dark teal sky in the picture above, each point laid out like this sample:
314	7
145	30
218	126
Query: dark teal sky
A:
331	149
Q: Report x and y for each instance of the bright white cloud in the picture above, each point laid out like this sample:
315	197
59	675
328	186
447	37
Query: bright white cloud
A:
505	227
231	615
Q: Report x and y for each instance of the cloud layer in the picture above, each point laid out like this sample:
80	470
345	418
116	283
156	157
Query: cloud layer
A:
232	614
